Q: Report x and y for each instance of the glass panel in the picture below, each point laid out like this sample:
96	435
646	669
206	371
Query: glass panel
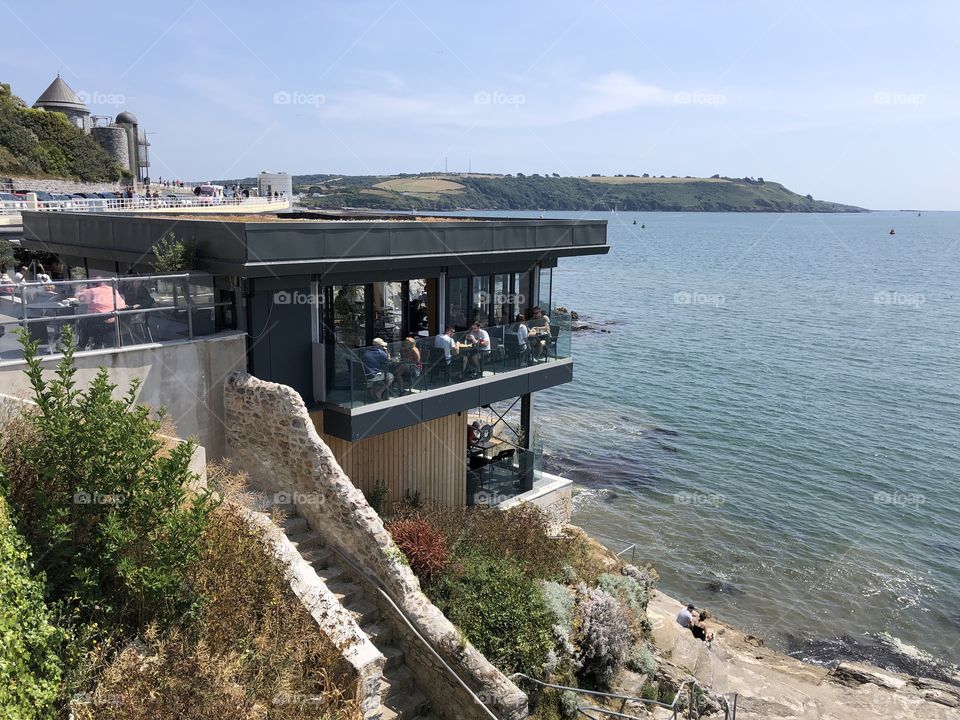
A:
545	299
521	288
502	310
512	471
387	310
418	309
349	315
458	303
480	311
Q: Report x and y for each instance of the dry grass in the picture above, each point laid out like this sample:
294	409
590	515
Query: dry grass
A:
609	180
420	185
255	653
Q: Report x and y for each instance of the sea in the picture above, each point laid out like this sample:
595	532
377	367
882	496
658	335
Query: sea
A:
766	408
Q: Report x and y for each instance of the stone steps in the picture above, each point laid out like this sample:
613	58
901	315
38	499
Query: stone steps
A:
400	697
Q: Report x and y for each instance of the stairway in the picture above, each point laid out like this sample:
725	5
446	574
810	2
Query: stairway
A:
400	697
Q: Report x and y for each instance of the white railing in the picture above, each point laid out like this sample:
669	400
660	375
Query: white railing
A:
15	207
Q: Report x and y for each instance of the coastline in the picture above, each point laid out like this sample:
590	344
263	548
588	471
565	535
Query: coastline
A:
772	684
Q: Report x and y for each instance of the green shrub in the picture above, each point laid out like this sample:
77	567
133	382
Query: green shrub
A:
499	609
98	488
29	666
642	660
631	594
171	254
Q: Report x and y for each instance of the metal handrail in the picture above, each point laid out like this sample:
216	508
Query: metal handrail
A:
690	682
378	586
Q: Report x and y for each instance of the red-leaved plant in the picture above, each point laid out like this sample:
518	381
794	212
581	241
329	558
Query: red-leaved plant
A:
423	544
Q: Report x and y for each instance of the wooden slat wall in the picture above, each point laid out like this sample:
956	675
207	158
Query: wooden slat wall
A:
430	458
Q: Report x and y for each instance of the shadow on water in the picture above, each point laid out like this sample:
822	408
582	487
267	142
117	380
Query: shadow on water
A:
879	650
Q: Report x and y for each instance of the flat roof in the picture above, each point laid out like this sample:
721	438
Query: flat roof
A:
344	246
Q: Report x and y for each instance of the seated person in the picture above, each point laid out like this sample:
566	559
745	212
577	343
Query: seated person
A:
539	333
136	294
99	297
411	366
375	362
685	618
479	340
699	628
446	342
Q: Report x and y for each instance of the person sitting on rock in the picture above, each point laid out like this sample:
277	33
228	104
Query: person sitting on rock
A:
699	628
685	617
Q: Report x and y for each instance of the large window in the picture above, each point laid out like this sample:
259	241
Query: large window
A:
458	302
418	308
388	311
545	301
350	315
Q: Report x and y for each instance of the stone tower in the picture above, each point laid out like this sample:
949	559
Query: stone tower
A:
59	97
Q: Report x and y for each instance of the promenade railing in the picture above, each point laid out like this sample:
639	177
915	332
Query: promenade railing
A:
15	207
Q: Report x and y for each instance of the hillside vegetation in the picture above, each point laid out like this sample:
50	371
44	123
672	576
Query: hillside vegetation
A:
37	143
541	192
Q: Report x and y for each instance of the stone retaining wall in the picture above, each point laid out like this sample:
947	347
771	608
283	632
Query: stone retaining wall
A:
271	435
56	186
336	623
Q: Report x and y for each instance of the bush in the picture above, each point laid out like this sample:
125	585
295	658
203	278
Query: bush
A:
29	666
601	635
171	254
642	661
631	594
499	609
423	545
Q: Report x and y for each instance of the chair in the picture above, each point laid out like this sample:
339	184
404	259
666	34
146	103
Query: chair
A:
515	353
368	384
552	342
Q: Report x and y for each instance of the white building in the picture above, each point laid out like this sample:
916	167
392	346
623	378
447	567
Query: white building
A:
269	183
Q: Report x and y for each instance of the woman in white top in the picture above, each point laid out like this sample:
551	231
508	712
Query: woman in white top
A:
42	276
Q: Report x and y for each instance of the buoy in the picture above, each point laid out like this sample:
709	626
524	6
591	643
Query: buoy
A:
892	231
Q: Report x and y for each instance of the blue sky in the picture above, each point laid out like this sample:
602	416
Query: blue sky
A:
855	102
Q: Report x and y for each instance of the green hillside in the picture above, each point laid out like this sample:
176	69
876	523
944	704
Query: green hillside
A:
541	192
36	143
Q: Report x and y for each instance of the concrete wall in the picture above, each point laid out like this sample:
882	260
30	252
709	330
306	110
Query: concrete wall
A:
187	378
271	435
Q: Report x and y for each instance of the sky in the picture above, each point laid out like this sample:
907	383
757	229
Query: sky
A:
854	102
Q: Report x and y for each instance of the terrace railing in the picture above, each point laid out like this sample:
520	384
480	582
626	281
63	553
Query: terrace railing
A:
15	207
372	374
113	312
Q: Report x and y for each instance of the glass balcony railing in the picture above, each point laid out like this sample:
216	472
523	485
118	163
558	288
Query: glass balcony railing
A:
378	373
513	472
111	312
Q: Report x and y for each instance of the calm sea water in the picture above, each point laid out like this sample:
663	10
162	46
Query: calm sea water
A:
768	406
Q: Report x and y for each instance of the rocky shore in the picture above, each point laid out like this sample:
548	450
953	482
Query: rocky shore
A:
773	685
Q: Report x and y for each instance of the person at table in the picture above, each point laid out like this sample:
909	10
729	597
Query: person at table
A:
136	294
99	297
479	340
42	276
6	285
539	333
446	343
376	363
410	365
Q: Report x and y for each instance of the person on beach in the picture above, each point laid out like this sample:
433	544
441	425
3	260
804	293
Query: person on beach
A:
685	617
699	628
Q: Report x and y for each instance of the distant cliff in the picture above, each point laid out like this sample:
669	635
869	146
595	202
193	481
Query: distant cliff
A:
541	192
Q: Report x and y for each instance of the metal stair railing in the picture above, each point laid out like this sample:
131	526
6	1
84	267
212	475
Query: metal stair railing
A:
729	711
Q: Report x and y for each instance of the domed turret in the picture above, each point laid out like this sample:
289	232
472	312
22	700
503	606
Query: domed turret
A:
126	118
